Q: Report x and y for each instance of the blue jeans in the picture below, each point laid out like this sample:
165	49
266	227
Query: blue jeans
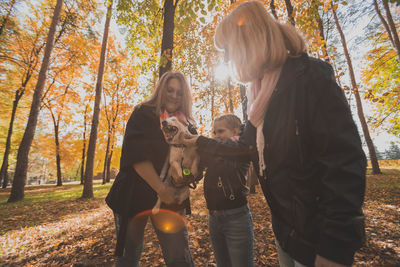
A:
284	258
231	234
174	246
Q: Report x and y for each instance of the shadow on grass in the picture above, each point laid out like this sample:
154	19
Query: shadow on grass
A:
52	205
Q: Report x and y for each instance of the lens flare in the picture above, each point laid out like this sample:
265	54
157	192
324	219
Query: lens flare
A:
165	220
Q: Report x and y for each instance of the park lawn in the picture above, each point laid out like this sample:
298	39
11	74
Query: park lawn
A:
47	203
52	227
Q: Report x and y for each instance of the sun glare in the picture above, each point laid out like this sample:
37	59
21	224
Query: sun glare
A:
222	72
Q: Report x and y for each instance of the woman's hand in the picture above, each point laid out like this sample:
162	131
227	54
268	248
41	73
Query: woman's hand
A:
168	194
323	262
146	170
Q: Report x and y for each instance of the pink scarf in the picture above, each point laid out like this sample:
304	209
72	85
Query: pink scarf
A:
259	94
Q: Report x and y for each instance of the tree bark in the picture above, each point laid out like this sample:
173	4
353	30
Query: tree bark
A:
289	9
383	20
58	156
84	146
17	190
106	159
230	96
88	183
4	166
243	97
370	144
273	9
325	55
395	36
167	43
109	162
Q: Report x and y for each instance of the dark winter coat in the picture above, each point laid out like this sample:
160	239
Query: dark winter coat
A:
224	181
315	176
130	194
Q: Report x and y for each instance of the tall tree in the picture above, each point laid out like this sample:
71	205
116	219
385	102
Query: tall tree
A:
56	119
392	27
17	190
88	183
84	144
167	44
273	9
289	8
361	116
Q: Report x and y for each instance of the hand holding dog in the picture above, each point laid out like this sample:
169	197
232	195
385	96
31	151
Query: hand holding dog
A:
168	194
189	140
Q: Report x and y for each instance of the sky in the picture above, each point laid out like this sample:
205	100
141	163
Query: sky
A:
382	140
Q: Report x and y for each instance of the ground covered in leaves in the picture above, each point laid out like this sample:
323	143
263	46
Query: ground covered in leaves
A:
53	227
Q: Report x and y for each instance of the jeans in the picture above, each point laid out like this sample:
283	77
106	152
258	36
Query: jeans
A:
284	259
231	234
174	246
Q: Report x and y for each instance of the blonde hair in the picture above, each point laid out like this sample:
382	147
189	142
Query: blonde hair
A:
157	99
255	41
232	121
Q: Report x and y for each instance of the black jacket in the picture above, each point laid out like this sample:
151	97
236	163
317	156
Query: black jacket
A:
224	181
130	194
315	176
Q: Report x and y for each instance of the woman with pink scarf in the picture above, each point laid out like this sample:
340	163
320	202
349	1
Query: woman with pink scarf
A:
306	146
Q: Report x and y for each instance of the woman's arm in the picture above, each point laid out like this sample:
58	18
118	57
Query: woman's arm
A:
146	170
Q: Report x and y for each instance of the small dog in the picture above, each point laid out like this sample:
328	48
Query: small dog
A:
184	161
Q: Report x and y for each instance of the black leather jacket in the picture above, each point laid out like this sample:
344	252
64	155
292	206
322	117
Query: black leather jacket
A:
315	176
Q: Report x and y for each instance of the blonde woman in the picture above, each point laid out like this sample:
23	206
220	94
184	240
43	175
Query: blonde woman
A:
308	151
135	190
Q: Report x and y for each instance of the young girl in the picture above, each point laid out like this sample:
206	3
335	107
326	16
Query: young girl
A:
230	220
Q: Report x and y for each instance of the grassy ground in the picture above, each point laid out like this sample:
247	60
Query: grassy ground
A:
53	227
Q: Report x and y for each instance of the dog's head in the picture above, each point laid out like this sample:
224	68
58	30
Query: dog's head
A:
173	129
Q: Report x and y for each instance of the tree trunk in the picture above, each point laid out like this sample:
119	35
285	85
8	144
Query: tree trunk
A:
321	31
84	147
395	36
4	166
370	144
58	157
106	159
289	9
88	183
6	17
273	9
230	96
17	190
383	20
109	164
167	43
243	97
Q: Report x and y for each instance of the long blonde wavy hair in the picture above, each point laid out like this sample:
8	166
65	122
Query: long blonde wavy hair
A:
157	99
255	41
